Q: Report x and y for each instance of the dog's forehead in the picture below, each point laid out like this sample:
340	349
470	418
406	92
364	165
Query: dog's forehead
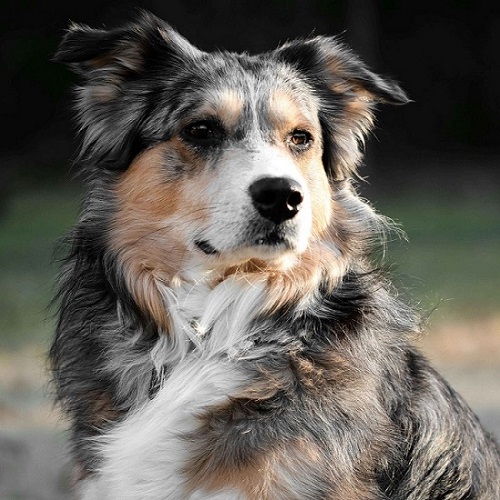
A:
250	89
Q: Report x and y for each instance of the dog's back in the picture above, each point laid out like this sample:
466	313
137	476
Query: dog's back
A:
224	332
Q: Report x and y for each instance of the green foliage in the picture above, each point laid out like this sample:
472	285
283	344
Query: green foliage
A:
452	257
28	233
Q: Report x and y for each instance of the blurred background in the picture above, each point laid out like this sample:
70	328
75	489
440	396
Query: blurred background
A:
432	165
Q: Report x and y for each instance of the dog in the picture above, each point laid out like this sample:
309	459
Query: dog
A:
225	329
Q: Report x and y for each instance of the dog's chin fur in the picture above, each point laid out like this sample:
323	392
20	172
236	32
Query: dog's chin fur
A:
224	330
279	257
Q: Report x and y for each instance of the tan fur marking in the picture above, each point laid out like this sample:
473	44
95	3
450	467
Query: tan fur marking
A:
257	481
226	105
302	280
282	471
360	101
148	228
358	112
297	282
286	114
344	82
320	192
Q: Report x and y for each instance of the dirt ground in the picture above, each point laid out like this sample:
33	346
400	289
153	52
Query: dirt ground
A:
33	446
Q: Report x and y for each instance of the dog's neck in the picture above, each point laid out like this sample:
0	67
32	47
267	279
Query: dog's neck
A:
209	316
212	309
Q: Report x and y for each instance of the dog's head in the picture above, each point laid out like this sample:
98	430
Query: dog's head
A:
218	157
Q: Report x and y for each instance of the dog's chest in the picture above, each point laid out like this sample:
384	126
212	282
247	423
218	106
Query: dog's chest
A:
212	332
212	329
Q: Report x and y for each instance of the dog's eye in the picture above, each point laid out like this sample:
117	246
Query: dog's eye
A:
301	139
203	132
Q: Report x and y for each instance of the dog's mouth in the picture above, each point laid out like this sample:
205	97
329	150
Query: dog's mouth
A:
206	247
273	240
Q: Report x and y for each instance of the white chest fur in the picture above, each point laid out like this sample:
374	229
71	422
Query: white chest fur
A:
143	457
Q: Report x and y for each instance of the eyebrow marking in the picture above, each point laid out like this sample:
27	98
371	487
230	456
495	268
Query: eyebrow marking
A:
226	105
285	113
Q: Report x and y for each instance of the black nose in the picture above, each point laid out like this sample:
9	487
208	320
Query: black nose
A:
276	198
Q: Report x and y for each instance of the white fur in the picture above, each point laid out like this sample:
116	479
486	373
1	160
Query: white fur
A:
232	212
143	456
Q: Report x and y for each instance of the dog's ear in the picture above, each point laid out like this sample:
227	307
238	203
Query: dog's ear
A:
122	51
349	92
112	96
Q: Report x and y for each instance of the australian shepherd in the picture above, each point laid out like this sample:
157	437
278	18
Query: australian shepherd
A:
225	331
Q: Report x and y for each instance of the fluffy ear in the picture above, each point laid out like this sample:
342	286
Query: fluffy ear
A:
349	92
112	97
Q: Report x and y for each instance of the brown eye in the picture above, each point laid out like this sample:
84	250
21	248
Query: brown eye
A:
300	139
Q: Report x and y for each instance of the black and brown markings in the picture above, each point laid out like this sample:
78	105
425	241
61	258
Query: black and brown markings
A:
168	181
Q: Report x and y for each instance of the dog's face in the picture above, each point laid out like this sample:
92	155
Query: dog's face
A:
218	158
240	173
